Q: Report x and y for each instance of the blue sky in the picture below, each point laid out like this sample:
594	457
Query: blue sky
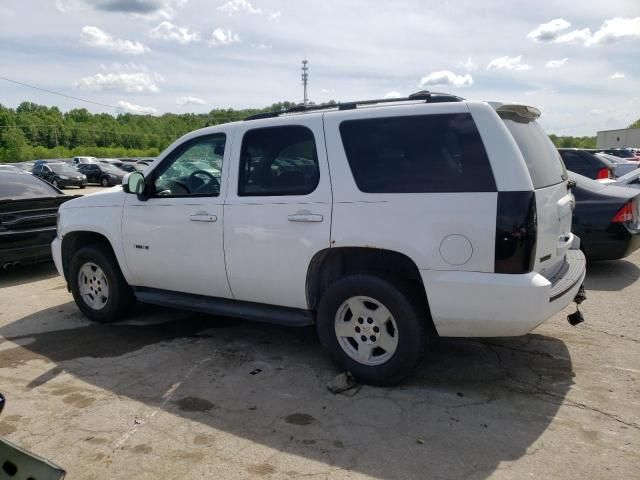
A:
577	61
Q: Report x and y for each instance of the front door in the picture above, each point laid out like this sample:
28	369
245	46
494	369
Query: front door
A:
278	211
173	240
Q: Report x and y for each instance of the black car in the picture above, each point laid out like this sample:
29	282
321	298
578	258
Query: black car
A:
606	218
587	164
60	175
28	211
103	173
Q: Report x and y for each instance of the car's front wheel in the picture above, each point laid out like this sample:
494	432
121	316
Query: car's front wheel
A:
104	182
374	327
97	284
55	183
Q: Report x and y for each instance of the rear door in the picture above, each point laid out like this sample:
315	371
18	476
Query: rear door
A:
277	215
554	201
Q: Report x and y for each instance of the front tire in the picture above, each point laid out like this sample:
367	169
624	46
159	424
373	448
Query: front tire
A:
104	182
56	184
374	327
97	284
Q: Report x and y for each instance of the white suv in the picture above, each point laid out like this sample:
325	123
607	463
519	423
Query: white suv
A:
384	223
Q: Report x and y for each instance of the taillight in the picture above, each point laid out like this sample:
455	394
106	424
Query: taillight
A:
603	173
516	232
624	215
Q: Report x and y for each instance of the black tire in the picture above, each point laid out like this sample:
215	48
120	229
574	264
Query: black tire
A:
104	181
56	184
83	186
120	297
409	311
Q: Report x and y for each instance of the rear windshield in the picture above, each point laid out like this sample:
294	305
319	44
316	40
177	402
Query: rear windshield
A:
417	154
24	185
541	156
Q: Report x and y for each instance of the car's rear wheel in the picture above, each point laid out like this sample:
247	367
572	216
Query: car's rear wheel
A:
97	284
104	181
83	186
373	327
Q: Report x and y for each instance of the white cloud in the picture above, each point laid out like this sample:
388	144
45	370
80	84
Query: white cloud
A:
189	100
614	30
469	66
233	7
262	46
274	16
508	63
168	31
446	78
556	63
616	76
220	37
94	37
574	36
133	108
121	81
548	32
393	94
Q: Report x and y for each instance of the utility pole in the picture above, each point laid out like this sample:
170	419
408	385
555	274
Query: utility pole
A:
305	80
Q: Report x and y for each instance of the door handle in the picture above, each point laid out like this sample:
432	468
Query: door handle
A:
305	216
203	216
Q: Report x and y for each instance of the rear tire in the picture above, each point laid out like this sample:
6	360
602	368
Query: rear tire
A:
382	325
97	284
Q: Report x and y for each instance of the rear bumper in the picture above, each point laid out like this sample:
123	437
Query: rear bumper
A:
474	304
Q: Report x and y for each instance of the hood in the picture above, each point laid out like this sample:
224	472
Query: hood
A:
112	197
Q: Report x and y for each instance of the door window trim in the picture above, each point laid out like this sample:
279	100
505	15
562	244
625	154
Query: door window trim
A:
172	156
266	195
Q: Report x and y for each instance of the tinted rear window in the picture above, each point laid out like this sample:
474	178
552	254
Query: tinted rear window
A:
541	156
24	185
417	154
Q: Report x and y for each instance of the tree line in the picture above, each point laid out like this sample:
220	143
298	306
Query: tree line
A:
34	131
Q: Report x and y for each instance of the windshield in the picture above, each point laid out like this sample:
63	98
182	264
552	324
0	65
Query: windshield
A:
622	153
62	169
110	168
541	156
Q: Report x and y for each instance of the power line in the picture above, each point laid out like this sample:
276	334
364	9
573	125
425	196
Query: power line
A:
67	96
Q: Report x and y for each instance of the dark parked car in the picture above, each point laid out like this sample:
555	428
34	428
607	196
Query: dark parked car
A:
60	175
586	164
103	173
28	210
606	218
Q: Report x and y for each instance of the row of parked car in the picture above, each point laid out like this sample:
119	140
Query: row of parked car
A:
81	171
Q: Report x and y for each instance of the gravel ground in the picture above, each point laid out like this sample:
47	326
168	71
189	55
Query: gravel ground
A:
169	394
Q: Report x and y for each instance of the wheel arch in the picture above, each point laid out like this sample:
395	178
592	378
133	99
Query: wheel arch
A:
75	240
331	264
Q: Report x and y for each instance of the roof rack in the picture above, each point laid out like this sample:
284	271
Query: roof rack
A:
423	95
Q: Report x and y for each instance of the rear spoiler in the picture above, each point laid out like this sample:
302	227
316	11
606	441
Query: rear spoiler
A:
523	111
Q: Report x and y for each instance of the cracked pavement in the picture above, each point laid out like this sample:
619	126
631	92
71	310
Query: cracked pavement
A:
170	394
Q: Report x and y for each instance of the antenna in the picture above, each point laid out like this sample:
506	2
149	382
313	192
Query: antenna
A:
305	80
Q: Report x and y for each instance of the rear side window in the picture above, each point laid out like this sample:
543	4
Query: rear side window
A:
541	156
417	154
23	185
278	161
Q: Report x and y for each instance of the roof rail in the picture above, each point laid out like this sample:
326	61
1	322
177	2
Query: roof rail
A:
423	95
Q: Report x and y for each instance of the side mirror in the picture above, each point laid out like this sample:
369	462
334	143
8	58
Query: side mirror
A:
133	183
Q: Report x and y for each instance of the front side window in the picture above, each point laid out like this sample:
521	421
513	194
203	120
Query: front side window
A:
278	161
417	154
193	169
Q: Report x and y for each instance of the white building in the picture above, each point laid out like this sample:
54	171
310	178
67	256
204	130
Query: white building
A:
626	137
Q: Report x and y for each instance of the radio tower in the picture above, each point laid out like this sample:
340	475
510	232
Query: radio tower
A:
305	80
